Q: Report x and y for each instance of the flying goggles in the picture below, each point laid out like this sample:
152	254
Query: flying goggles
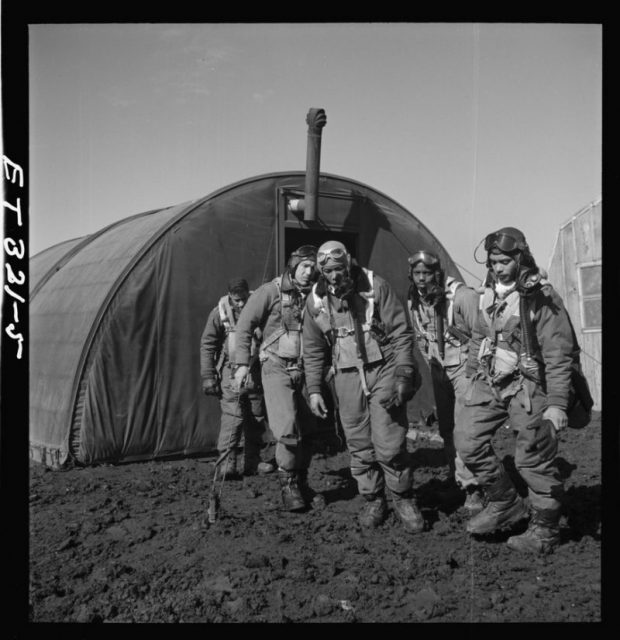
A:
429	259
307	251
337	253
504	242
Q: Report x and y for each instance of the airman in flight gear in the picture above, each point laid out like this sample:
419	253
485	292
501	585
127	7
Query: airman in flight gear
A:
275	309
241	415
443	313
354	316
523	356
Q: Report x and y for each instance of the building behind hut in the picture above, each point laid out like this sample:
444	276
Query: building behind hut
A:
575	272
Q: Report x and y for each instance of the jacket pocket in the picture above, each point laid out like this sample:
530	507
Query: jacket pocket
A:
478	393
267	368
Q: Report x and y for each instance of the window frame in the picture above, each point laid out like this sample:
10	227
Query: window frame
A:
583	299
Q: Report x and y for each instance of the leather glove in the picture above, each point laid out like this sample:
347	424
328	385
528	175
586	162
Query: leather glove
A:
545	441
404	387
211	387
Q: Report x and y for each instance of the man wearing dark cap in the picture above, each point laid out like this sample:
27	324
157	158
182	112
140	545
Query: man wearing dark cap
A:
522	362
353	315
275	309
241	414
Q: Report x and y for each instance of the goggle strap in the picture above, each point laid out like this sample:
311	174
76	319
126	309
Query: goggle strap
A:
502	241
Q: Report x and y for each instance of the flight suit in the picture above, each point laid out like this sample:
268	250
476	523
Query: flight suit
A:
368	336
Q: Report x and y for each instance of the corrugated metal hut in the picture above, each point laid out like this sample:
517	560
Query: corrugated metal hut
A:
116	317
575	271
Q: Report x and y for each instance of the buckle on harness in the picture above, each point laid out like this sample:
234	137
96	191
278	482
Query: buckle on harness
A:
343	332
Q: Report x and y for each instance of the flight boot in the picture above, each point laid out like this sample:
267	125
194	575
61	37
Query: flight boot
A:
308	493
542	535
474	500
374	511
265	468
505	508
292	498
407	510
254	465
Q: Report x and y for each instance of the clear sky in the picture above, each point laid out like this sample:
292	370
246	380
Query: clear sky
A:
471	127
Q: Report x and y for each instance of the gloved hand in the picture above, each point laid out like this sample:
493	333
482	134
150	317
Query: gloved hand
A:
211	387
317	405
545	440
404	387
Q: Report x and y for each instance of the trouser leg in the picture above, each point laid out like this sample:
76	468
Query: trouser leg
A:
306	425
480	418
355	421
541	474
375	436
443	392
232	415
477	422
460	384
253	428
388	430
289	415
281	411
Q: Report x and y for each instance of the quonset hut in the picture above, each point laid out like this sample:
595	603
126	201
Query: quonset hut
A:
116	317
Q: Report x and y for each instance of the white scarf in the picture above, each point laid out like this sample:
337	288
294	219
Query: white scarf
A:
502	290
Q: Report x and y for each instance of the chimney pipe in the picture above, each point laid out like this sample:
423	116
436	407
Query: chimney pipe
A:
316	120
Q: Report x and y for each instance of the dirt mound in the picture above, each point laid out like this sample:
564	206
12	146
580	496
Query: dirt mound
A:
131	543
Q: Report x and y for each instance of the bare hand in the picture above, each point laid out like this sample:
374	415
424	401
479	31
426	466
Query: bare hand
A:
240	376
557	416
317	405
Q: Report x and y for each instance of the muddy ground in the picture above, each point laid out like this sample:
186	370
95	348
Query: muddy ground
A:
131	543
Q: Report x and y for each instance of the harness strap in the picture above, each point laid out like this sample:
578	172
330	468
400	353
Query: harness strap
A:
441	345
276	335
342	332
362	373
292	364
359	334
